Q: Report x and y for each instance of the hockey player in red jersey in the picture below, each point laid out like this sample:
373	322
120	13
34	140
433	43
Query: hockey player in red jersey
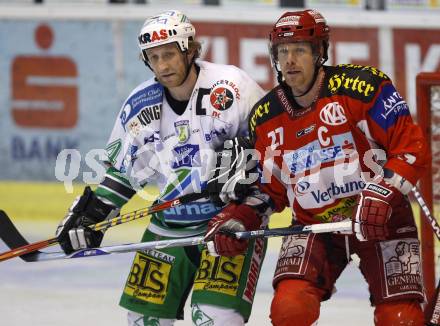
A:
335	143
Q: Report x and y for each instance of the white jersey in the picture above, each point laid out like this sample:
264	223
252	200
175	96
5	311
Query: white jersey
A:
152	143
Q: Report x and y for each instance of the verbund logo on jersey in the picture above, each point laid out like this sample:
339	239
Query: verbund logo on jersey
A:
336	191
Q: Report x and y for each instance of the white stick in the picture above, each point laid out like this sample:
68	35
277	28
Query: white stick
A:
192	241
344	226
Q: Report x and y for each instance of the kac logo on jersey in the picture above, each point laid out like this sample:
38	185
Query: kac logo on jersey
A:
333	114
186	156
182	130
221	98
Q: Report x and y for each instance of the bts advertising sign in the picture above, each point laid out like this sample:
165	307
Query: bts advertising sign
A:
63	82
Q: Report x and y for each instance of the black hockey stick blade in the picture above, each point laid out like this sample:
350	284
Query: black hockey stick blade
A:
12	237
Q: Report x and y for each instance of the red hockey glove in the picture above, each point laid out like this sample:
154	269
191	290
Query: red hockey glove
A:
233	218
374	207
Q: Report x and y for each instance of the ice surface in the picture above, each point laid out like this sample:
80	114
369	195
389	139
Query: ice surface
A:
86	292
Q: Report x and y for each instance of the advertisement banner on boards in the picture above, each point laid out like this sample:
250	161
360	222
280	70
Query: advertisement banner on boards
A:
65	81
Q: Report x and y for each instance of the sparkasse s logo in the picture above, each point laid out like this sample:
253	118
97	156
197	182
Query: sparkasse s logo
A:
301	188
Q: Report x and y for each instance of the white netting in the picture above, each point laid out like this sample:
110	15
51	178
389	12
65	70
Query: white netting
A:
435	128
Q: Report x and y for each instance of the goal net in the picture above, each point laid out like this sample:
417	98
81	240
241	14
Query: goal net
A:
428	117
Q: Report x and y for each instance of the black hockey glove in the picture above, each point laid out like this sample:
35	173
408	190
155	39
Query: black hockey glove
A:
73	232
235	171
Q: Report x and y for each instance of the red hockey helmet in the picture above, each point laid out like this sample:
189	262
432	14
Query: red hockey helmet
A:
300	26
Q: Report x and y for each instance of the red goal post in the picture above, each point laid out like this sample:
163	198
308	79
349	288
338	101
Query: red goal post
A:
428	118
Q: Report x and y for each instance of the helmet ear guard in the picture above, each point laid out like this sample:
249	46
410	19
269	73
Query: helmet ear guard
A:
322	57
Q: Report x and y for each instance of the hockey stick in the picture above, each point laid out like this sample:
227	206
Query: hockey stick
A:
299	229
341	227
435	315
14	240
435	226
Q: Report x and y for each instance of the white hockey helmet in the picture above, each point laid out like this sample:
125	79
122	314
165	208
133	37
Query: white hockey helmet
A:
166	27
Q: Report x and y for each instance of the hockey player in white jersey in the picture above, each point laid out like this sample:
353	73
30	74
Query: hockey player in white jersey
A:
166	133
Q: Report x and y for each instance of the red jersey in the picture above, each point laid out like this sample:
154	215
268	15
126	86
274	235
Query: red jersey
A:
317	159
